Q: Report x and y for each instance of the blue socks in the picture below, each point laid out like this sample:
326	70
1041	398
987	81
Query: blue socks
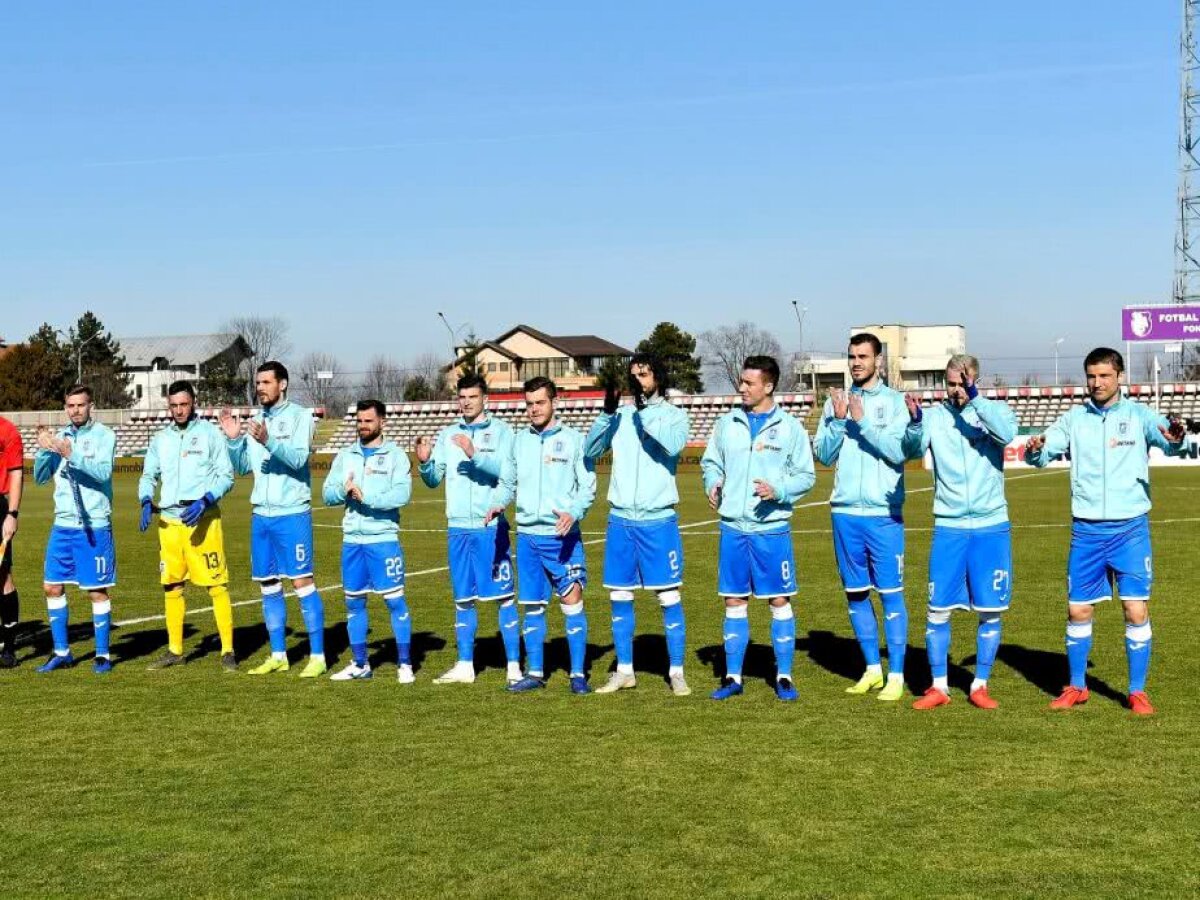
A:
401	628
510	630
937	644
356	628
534	634
102	624
1137	651
895	629
313	611
866	629
275	617
674	629
783	638
737	639
1079	647
576	625
987	645
56	609
623	626
466	624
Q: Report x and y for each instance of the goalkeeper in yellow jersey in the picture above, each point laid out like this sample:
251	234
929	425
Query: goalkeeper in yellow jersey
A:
190	460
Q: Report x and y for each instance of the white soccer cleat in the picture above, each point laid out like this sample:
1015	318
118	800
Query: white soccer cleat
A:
404	674
679	685
352	672
460	673
618	681
514	673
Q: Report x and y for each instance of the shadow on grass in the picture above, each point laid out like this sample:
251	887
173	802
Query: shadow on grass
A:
1047	671
558	655
759	663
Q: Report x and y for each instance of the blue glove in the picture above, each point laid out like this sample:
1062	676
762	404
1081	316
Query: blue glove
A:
147	515
916	417
192	514
972	391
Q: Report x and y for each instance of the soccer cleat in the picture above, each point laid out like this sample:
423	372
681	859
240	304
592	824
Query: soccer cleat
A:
933	698
57	662
101	665
514	673
315	668
679	685
165	661
1139	704
8	659
871	681
579	685
527	684
729	688
404	674
1071	696
618	681
785	690
462	672
269	665
228	662
353	672
893	690
981	698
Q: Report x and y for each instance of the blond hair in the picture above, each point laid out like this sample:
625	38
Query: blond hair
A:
964	362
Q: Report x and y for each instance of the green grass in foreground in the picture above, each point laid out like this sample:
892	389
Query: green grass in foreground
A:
192	782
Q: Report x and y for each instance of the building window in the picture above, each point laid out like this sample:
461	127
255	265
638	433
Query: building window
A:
503	367
162	390
139	392
491	367
934	379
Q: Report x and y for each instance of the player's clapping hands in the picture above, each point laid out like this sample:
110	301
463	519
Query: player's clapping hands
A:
257	429
1175	430
1035	443
465	444
841	404
424	449
353	491
612	399
565	523
855	406
45	438
231	426
915	413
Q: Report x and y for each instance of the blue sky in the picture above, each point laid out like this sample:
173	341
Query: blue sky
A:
589	168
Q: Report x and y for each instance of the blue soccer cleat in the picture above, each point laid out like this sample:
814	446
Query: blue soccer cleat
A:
527	684
785	690
101	665
57	662
729	688
579	685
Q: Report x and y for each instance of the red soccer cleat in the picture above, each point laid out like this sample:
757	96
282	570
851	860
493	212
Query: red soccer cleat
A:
933	698
1070	696
981	698
1139	704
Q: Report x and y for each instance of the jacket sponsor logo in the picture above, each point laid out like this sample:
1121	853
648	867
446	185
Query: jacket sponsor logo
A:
558	446
880	413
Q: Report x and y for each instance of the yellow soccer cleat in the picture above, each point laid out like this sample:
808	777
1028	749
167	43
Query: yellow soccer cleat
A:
269	665
871	681
315	668
893	690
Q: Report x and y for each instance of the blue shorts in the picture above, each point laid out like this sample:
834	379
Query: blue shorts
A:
971	568
281	546
1104	554
480	563
372	567
549	565
82	556
761	563
645	555
870	552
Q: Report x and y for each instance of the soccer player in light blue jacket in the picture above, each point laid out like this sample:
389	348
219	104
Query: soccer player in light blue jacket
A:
275	448
473	457
79	460
757	464
643	548
556	485
970	562
373	480
1109	441
863	435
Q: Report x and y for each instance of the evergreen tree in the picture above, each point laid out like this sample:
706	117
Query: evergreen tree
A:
98	362
676	348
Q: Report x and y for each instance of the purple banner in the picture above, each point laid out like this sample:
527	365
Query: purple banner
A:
1160	323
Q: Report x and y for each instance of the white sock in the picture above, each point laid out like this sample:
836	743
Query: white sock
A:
942	684
895	676
737	678
675	670
282	655
624	668
977	684
876	669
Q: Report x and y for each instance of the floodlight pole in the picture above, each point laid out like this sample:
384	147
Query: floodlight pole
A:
800	314
1057	344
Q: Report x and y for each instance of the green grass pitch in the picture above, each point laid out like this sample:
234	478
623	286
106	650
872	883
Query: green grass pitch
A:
193	782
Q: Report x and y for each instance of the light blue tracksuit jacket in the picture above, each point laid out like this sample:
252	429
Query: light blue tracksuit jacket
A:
869	455
190	462
83	486
385	479
473	486
553	474
282	481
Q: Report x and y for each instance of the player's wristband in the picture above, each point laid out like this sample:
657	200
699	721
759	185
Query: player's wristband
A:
972	391
15	513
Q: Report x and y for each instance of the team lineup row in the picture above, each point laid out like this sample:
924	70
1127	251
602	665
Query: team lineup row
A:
758	463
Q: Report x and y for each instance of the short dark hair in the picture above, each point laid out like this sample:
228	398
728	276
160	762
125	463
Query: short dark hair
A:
78	389
181	387
765	364
1102	355
865	337
540	382
380	409
472	380
656	366
276	367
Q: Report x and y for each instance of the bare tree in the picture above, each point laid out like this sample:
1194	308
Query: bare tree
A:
383	380
725	349
267	338
324	381
427	370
